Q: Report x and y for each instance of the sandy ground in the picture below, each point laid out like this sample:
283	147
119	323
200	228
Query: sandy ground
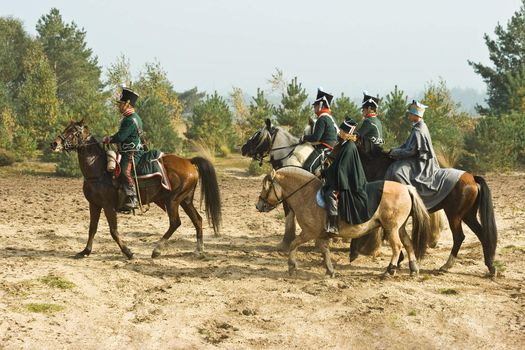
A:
240	296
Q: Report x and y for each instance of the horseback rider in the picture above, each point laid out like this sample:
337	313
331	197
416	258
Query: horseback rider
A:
370	133
416	162
346	177
129	144
324	135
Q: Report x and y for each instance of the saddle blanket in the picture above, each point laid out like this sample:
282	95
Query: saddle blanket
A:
150	166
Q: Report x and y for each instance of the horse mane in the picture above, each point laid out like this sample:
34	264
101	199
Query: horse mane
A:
296	170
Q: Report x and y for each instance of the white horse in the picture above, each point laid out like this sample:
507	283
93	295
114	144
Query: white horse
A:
299	188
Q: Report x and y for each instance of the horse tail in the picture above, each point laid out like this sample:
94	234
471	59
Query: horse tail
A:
209	191
420	223
489	232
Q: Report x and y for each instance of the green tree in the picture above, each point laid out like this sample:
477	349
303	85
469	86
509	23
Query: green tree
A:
211	124
447	123
343	107
189	99
260	110
293	112
507	53
394	117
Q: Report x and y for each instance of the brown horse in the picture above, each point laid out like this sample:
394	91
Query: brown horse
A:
101	193
470	195
299	187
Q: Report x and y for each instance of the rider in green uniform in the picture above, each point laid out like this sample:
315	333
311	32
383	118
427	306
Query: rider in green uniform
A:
129	144
370	133
324	135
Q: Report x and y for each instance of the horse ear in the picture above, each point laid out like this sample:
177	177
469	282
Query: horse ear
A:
272	174
268	123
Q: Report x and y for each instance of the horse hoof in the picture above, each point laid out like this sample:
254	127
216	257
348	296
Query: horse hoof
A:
283	246
155	254
199	254
353	257
443	269
81	255
331	274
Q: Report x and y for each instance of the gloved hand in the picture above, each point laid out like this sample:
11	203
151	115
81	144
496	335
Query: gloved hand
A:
301	140
105	140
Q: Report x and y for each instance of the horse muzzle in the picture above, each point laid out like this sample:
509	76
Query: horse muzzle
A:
264	207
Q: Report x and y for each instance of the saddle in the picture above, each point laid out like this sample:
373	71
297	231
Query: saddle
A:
150	166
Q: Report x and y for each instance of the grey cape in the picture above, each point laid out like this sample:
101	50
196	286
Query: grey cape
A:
417	165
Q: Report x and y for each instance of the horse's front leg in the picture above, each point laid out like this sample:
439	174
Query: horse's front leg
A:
323	245
292	262
289	228
94	216
111	216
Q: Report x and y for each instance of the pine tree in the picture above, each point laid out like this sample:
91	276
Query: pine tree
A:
293	112
211	124
394	117
343	108
260	110
507	53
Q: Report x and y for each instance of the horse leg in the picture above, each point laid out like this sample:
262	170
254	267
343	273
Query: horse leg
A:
196	219
289	228
111	216
472	222
323	245
458	237
395	243
172	208
407	243
94	216
292	262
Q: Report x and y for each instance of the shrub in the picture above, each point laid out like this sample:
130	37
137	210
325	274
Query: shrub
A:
255	169
6	157
68	165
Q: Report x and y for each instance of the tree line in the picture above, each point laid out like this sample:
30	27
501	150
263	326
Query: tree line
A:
54	77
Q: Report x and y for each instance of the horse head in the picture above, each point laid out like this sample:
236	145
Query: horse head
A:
271	194
75	135
260	144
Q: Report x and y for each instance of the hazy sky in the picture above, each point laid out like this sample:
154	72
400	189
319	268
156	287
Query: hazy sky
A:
344	46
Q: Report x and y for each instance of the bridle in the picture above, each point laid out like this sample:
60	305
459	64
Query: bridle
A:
67	141
271	206
268	139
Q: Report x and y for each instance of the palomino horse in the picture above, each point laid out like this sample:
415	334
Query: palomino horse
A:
470	195
299	187
283	149
183	175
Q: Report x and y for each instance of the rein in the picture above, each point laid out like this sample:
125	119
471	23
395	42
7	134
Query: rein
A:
261	155
279	201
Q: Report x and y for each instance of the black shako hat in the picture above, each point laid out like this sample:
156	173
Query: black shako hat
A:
323	98
348	125
369	100
128	96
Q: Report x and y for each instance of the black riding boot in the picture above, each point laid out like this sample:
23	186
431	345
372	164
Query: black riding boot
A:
331	208
131	200
332	227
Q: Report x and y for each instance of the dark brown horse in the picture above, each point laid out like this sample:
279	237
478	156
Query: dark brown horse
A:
470	195
101	193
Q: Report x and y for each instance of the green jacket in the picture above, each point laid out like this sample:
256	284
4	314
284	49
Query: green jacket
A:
324	131
128	136
372	130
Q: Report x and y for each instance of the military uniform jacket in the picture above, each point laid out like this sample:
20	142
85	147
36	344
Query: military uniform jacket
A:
417	165
372	130
324	132
358	199
128	135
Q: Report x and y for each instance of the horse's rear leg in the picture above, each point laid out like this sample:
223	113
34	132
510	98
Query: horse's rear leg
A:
323	245
458	237
172	208
289	227
94	216
111	216
472	222
395	243
196	219
407	243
